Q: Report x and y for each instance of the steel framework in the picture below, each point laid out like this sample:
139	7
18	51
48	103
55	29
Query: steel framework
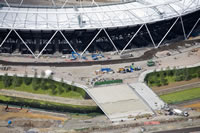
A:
96	17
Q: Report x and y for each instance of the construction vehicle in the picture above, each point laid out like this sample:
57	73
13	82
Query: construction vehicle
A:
180	112
97	56
121	70
150	63
77	55
107	70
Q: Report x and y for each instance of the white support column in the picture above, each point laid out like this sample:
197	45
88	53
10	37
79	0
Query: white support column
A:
167	32
67	41
7	3
53	2
24	43
132	38
193	28
150	35
64	4
183	28
21	2
111	40
47	44
91	42
5	38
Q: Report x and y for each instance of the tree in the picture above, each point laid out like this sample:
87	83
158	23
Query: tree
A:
53	91
42	74
44	85
158	84
168	71
62	82
35	74
199	74
186	74
35	85
7	81
27	80
17	81
52	85
60	89
37	80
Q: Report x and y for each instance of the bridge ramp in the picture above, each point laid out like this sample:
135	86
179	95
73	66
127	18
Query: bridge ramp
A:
148	95
119	102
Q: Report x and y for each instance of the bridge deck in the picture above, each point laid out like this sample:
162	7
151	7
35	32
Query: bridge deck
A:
119	102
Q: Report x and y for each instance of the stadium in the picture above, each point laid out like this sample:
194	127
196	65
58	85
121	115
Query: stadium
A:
91	26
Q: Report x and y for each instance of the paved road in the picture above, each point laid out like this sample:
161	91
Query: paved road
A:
47	98
184	130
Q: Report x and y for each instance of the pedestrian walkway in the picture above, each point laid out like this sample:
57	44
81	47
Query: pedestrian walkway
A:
148	95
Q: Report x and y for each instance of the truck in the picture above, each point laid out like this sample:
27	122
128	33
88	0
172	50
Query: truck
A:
180	112
150	63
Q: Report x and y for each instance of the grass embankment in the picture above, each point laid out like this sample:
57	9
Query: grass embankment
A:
41	86
163	78
58	107
181	96
45	86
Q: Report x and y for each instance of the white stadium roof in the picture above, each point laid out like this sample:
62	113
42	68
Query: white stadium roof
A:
90	17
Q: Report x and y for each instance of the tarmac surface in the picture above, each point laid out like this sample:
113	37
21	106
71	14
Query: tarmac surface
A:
184	130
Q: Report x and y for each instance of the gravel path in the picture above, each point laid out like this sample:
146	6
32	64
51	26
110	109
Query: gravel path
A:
47	98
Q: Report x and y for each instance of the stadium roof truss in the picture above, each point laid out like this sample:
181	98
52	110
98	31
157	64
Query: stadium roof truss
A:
139	12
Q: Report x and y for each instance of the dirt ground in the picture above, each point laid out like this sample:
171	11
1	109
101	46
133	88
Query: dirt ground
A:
25	113
195	105
25	119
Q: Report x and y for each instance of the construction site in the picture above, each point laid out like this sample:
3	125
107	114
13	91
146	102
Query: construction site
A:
99	66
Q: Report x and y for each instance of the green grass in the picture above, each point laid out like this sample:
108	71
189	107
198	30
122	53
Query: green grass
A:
68	90
181	96
161	78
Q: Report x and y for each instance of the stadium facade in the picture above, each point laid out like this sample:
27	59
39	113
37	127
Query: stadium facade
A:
110	27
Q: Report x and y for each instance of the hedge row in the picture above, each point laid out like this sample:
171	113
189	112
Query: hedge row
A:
108	82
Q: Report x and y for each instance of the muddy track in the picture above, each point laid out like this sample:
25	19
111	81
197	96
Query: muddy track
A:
147	55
